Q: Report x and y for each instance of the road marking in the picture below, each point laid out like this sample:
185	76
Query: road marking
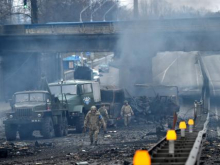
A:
213	89
165	71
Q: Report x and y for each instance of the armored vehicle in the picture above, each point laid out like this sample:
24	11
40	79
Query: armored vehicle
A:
80	96
36	110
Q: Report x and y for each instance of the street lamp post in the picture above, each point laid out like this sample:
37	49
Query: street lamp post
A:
91	18
109	11
82	12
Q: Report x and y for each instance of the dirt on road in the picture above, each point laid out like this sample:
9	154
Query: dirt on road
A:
116	147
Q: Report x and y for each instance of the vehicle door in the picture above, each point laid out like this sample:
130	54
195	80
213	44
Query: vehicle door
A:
87	95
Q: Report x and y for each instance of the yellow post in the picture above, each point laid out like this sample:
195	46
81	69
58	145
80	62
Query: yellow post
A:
141	157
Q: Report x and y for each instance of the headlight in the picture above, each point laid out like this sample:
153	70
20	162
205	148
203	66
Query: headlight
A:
11	116
39	115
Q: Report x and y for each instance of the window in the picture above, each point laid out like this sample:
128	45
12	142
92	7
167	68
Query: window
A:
21	98
67	89
55	90
87	88
36	97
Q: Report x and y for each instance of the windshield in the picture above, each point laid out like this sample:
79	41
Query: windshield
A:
67	89
29	97
21	98
38	97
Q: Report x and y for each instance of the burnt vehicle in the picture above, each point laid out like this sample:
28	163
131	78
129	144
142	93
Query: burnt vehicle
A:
104	68
80	96
36	110
113	99
161	108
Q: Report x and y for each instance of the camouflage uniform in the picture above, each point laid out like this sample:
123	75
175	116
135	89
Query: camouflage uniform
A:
92	121
126	112
103	111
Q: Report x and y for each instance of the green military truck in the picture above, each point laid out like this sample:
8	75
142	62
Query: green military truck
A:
80	96
36	110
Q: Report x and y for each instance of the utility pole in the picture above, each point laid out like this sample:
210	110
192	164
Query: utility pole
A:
136	11
34	12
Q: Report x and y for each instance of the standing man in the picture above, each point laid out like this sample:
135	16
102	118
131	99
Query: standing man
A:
92	120
126	112
103	111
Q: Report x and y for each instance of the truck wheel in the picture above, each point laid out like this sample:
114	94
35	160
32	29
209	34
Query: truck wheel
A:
25	133
80	123
10	132
47	129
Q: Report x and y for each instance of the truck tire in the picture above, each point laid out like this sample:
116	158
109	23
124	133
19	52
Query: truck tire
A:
25	133
47	129
62	128
10	132
80	123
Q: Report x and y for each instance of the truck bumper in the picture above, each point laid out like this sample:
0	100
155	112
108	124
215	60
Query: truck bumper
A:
23	121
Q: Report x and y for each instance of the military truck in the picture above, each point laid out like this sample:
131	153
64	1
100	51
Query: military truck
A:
80	96
36	110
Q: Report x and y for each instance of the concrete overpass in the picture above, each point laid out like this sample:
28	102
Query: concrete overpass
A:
179	34
39	46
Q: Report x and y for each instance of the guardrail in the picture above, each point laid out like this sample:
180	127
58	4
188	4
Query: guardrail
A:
195	153
194	156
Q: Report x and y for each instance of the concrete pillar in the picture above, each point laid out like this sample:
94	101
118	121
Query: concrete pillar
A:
1	80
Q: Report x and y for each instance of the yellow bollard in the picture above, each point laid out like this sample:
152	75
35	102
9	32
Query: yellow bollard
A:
171	137
191	123
141	157
182	126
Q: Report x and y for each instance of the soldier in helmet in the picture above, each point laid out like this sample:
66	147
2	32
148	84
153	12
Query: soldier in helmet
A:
126	113
103	111
92	121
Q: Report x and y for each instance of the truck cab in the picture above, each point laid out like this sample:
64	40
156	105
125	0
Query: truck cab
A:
80	96
35	110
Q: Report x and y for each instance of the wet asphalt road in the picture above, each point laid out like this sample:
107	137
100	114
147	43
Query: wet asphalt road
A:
179	69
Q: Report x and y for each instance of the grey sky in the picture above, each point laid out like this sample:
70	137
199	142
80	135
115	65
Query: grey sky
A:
213	5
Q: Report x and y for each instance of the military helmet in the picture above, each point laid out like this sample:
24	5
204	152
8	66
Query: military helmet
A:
125	101
93	107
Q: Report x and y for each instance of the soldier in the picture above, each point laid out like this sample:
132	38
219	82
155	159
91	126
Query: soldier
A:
92	121
126	112
103	111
